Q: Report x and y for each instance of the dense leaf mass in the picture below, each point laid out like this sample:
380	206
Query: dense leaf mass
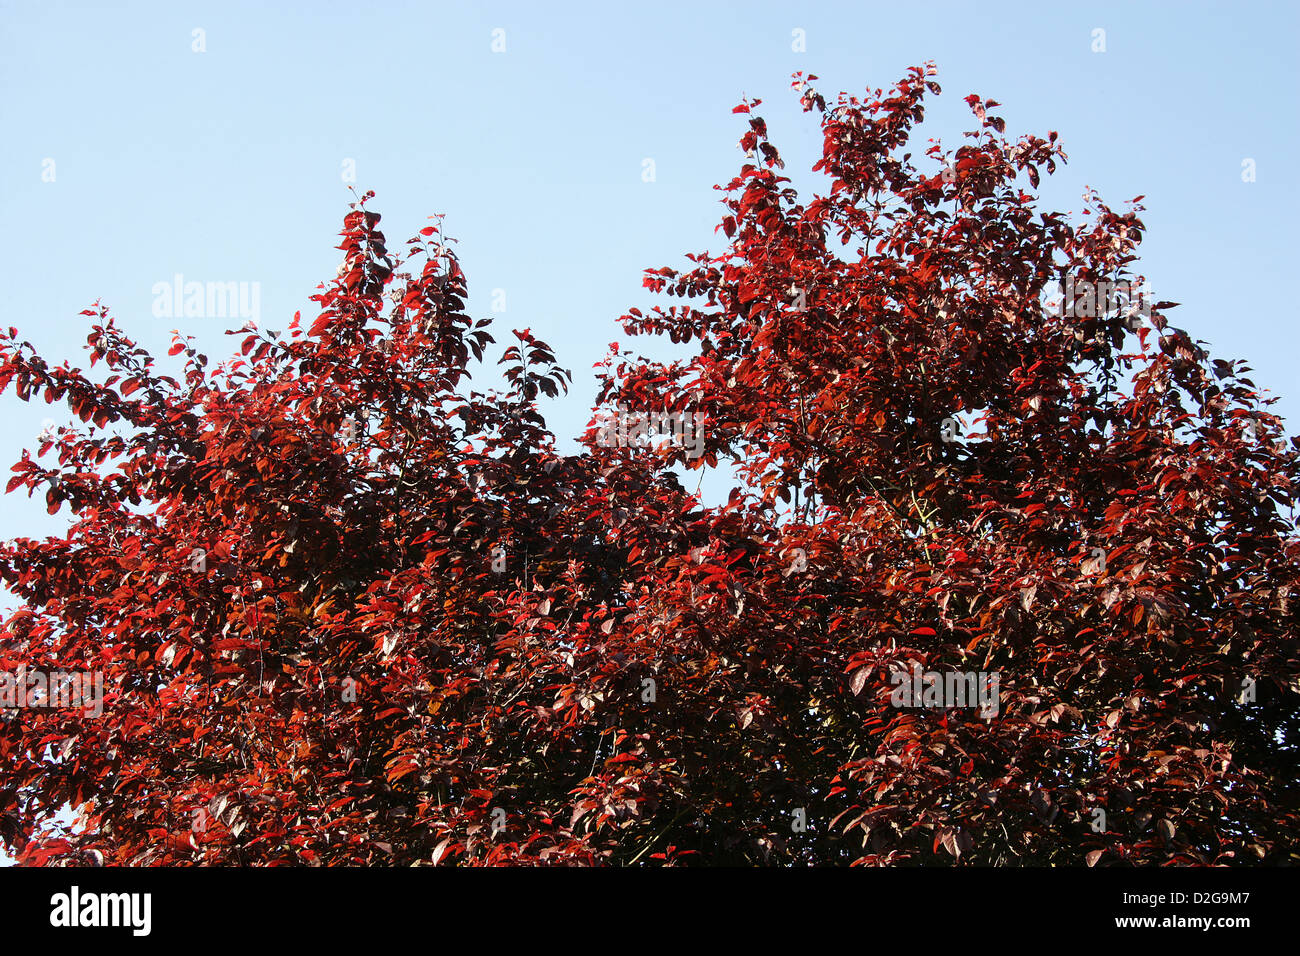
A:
350	611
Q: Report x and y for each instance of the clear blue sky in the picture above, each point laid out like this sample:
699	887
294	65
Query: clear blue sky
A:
227	164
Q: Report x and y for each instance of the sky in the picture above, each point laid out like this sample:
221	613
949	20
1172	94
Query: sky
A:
217	141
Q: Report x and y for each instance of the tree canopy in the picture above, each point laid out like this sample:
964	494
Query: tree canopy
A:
350	610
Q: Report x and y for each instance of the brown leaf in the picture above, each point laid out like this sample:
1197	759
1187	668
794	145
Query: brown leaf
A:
858	679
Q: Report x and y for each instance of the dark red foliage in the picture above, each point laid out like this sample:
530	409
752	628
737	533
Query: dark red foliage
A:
419	635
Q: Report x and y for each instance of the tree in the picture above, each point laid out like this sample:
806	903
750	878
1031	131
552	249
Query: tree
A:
350	611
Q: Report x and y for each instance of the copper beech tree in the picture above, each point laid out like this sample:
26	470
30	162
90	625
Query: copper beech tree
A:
349	610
